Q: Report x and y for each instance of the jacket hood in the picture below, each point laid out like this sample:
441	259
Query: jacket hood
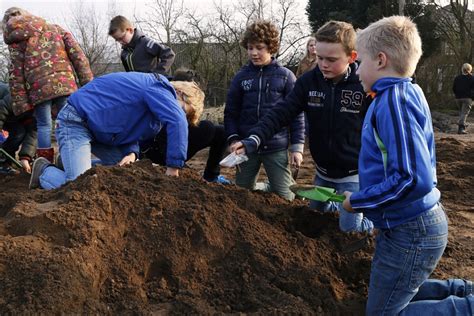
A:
21	28
387	82
350	76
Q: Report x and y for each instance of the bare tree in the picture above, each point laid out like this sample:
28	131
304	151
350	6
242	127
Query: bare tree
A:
163	17
90	30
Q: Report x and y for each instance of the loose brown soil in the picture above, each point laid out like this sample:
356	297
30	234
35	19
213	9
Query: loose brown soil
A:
131	240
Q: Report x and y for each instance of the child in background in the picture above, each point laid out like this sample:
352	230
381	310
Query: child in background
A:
334	103
21	132
140	53
202	133
45	60
254	92
310	59
397	168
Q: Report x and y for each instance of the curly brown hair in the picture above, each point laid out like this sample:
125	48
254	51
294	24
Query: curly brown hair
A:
262	31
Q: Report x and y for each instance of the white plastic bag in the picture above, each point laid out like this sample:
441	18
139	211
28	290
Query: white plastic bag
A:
233	160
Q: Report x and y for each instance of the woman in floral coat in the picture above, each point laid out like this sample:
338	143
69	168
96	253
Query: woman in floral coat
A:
46	64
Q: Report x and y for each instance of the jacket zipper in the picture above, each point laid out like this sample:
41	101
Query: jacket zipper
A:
259	93
331	116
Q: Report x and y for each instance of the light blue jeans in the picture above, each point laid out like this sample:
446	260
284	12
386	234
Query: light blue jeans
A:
348	222
404	258
277	169
44	121
75	145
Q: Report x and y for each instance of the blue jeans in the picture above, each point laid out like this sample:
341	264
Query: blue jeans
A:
75	145
44	121
348	222
404	258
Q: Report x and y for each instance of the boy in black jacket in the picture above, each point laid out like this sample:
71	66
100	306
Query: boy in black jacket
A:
140	53
22	132
335	104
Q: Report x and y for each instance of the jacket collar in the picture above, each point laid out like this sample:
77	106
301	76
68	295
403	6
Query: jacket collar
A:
387	82
350	75
137	34
273	63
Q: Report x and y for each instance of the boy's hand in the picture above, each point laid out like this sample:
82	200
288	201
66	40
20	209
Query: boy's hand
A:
26	165
237	147
172	172
128	159
347	202
296	159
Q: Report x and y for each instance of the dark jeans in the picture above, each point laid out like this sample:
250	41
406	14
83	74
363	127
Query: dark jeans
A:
205	134
16	135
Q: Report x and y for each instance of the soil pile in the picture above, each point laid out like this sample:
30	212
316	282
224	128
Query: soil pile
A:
133	240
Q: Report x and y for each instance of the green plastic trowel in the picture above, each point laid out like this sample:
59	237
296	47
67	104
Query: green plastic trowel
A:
317	193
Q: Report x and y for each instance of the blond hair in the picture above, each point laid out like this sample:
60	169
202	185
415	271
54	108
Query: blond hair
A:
262	31
11	12
338	32
119	23
192	98
466	69
311	39
395	36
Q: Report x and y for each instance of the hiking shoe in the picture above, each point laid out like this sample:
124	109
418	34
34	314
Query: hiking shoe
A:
38	166
220	179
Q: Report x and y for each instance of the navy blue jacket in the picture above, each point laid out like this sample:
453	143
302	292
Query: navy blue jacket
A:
335	114
463	87
253	93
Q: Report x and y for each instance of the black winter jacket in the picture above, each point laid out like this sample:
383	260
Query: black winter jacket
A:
463	87
335	114
8	119
143	54
254	92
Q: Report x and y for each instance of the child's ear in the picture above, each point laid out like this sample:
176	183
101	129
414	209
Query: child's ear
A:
352	57
382	60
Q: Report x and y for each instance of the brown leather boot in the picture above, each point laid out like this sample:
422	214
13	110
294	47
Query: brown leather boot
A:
47	153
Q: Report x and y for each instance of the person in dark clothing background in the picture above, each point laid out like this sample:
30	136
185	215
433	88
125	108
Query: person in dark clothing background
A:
202	134
139	52
463	88
22	132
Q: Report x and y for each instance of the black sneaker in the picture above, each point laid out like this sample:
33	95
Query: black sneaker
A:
38	166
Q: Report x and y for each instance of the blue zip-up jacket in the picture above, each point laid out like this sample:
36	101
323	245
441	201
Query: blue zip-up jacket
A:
253	93
121	109
335	114
398	174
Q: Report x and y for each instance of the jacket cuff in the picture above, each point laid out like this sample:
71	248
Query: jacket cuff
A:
297	148
233	138
175	163
27	158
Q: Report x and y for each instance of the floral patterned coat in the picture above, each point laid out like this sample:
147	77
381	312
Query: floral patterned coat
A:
46	62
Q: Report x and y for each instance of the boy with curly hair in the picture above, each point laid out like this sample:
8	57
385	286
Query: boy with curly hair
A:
254	92
397	167
335	103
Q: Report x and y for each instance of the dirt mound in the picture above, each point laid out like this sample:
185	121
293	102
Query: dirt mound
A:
133	239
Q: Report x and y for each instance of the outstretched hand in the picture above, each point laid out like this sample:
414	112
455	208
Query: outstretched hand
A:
26	165
237	147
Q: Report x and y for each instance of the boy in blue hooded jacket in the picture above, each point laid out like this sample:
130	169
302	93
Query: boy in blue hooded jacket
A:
397	168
